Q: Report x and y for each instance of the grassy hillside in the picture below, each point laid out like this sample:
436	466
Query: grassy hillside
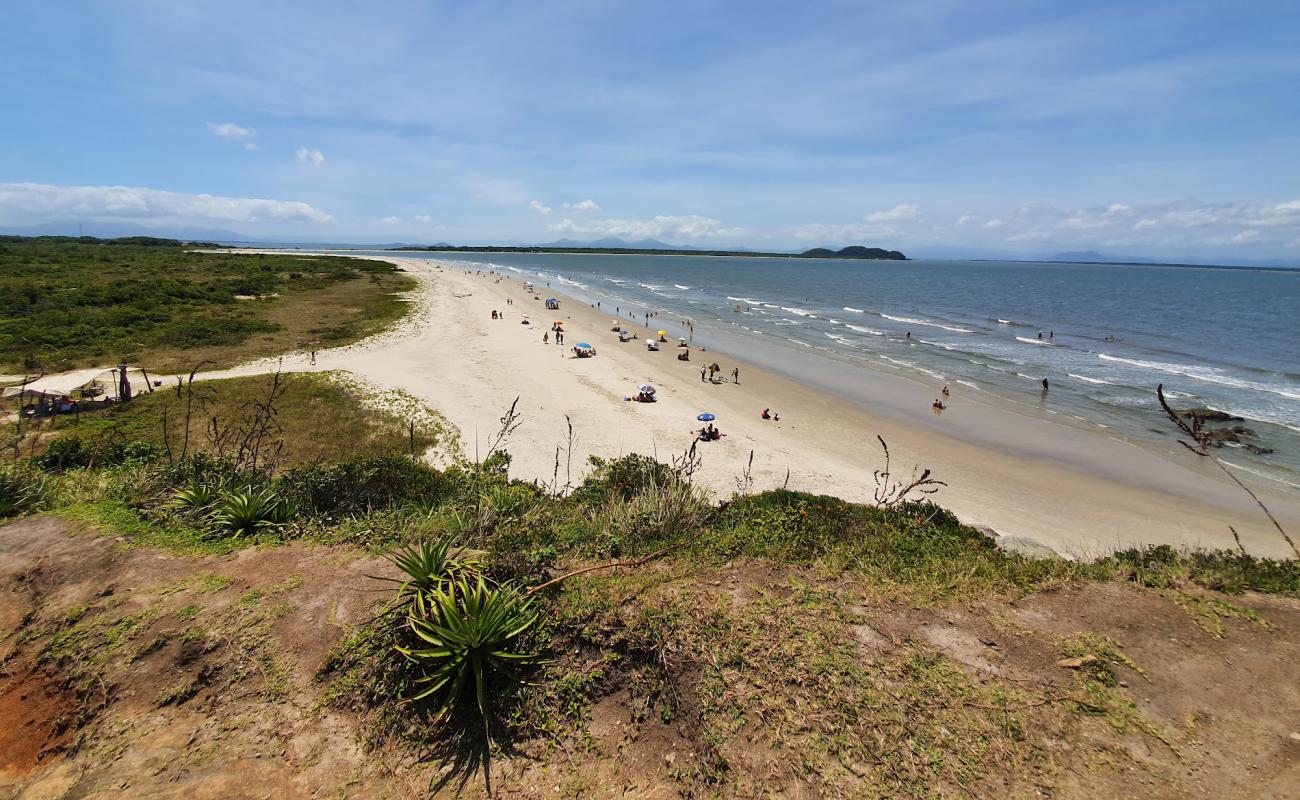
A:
779	643
71	304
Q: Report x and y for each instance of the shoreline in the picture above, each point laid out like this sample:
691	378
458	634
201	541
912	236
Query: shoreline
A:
470	367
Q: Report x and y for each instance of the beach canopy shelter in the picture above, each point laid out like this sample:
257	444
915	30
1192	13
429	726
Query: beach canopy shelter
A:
552	303
584	346
652	344
706	417
95	383
646	388
68	391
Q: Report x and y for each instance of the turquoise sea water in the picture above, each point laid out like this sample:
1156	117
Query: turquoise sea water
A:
1224	338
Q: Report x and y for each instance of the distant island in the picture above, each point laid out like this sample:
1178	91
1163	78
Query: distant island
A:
853	251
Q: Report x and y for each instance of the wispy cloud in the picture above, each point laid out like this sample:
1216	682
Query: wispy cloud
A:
35	202
581	206
234	133
307	155
688	227
539	207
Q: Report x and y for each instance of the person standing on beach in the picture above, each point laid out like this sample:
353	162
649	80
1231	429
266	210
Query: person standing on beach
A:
735	375
703	371
1044	385
546	337
313	358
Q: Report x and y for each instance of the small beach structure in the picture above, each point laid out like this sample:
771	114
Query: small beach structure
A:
651	344
645	393
83	389
583	350
552	304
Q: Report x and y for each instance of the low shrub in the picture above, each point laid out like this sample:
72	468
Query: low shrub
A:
621	478
23	489
361	485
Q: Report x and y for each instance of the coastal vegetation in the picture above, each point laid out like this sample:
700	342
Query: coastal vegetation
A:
849	649
71	302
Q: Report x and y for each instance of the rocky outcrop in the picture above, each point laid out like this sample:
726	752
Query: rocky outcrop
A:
1227	435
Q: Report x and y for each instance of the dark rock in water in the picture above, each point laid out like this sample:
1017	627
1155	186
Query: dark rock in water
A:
1204	415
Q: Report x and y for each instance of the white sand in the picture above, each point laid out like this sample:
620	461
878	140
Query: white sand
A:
470	367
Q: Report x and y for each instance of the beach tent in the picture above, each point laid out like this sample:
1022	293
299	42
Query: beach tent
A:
552	303
95	383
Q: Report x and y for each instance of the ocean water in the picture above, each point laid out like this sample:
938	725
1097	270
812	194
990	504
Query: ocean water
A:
1224	338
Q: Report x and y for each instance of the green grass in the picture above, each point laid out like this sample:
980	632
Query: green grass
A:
321	418
69	305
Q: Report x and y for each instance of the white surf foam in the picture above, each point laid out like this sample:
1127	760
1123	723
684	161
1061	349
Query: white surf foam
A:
928	323
1205	374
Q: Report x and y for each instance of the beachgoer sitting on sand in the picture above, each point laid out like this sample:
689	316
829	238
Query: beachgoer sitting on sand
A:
945	391
685	355
494	313
938	405
766	414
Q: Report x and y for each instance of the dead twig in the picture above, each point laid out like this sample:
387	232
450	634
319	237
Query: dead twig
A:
1200	446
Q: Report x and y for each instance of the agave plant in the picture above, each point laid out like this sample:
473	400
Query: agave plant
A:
196	497
249	511
469	630
428	566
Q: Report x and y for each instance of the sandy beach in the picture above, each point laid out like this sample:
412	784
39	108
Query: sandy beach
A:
1105	495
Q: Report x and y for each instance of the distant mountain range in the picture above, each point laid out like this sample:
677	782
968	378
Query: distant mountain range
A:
117	230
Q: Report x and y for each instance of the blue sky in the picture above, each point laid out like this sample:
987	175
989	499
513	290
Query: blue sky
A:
1156	128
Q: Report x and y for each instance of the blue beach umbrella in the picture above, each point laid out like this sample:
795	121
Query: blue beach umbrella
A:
584	346
706	417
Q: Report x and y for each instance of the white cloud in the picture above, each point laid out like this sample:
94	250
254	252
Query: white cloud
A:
308	156
900	212
1177	227
234	133
34	202
690	226
391	221
424	219
581	206
537	206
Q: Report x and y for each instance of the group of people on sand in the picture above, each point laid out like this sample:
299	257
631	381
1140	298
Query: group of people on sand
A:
938	405
710	373
710	434
558	330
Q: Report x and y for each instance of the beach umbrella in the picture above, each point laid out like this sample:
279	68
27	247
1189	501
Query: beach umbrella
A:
646	388
706	417
663	333
583	346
